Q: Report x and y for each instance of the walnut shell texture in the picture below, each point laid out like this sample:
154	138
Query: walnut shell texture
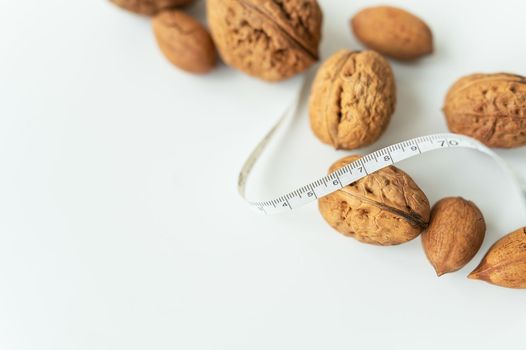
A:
384	208
490	108
505	263
352	99
184	41
455	233
269	39
393	32
149	7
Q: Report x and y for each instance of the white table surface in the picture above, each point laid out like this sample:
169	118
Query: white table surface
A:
113	235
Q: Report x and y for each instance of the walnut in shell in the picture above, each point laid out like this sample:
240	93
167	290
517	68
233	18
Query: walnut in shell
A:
149	7
269	39
455	233
393	32
490	108
505	263
184	41
384	208
352	99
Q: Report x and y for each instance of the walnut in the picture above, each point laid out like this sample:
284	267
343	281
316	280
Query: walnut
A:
269	39
455	233
505	263
490	108
149	7
184	41
352	99
393	32
384	208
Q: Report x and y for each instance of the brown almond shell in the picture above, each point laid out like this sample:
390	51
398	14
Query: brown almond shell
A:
393	32
505	263
184	41
454	235
149	7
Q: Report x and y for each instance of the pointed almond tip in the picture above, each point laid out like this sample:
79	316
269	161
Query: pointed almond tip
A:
473	275
439	271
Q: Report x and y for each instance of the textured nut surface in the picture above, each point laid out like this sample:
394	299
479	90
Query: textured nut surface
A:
455	233
184	41
490	108
505	263
268	39
393	32
149	7
384	208
352	99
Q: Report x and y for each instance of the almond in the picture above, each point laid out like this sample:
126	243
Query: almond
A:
393	32
455	233
184	41
505	263
149	7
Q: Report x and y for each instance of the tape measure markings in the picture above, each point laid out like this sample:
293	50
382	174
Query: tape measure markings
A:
359	168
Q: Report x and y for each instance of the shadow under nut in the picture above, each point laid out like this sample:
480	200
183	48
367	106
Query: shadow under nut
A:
490	108
384	208
352	99
268	39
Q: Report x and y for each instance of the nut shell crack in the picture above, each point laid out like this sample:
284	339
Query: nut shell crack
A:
269	39
384	208
352	99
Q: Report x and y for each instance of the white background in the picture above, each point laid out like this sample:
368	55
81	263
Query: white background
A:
121	228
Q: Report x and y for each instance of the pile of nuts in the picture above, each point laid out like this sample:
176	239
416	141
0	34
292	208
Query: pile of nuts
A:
352	100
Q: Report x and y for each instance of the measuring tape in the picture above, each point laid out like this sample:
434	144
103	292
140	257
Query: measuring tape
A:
360	168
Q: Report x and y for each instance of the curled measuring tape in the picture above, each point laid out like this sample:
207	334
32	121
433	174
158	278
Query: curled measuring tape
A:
360	168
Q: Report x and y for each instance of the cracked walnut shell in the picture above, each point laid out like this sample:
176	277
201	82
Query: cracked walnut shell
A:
352	99
490	108
269	39
149	7
384	208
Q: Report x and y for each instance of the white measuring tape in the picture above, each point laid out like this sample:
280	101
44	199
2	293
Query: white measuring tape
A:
360	168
